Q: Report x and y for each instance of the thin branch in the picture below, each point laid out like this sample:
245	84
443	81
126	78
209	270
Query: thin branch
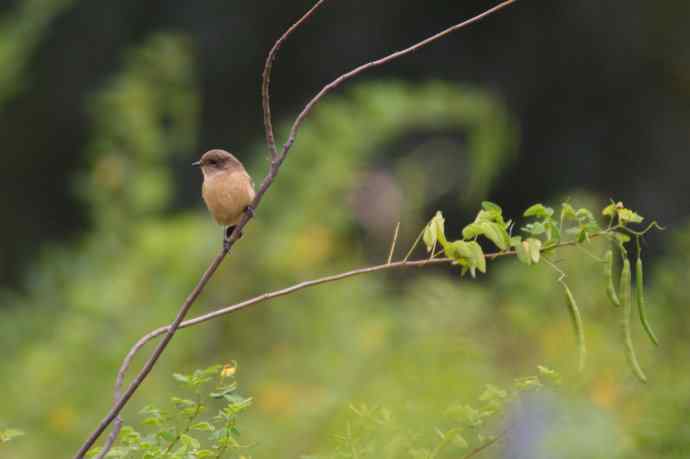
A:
384	60
276	162
414	244
481	448
395	241
266	78
294	288
120	403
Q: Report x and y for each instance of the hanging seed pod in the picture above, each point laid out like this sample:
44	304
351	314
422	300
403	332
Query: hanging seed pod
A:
576	321
626	300
642	307
610	288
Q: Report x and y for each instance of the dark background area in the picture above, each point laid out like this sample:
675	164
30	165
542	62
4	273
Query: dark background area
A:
601	91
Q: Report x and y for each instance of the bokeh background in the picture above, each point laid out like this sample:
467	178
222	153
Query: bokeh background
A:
103	106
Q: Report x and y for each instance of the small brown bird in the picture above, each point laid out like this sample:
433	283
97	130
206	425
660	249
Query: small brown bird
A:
228	190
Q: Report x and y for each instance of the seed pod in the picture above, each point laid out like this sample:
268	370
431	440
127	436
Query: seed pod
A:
626	300
641	306
576	321
610	288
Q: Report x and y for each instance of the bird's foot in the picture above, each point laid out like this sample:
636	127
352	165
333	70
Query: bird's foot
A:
226	236
249	210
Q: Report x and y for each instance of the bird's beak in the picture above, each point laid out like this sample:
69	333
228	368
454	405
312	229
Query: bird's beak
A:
196	163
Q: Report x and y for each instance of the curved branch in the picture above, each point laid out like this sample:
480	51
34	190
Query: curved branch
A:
266	78
384	60
170	331
268	296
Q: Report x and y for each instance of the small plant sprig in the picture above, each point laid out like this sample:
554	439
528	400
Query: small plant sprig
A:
186	430
7	435
543	235
464	431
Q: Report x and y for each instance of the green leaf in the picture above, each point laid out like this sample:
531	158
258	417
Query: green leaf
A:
472	231
190	441
527	383
492	207
493	231
459	441
181	403
478	259
584	215
627	215
435	232
535	229
203	426
612	209
549	374
497	235
181	378
538	210
9	434
469	254
534	249
567	212
466	414
521	249
492	393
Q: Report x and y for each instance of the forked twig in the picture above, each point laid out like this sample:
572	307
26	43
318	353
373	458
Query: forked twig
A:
266	83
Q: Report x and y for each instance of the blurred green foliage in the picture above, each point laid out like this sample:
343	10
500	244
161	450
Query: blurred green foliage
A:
415	342
20	32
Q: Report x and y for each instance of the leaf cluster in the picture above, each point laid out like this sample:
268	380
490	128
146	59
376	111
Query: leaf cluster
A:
544	233
188	430
464	428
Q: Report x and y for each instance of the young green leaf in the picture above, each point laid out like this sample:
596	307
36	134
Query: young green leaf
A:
538	210
492	207
521	249
567	212
493	231
9	434
534	249
627	215
478	259
469	254
435	232
612	209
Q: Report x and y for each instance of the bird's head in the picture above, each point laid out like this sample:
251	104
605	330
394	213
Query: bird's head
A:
215	161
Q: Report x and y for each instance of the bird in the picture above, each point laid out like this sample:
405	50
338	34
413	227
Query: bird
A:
228	190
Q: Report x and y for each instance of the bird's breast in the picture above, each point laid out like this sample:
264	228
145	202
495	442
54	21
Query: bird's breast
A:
227	195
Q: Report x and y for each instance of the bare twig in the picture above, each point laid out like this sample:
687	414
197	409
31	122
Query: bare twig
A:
481	448
276	161
120	403
384	60
395	241
414	244
266	83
